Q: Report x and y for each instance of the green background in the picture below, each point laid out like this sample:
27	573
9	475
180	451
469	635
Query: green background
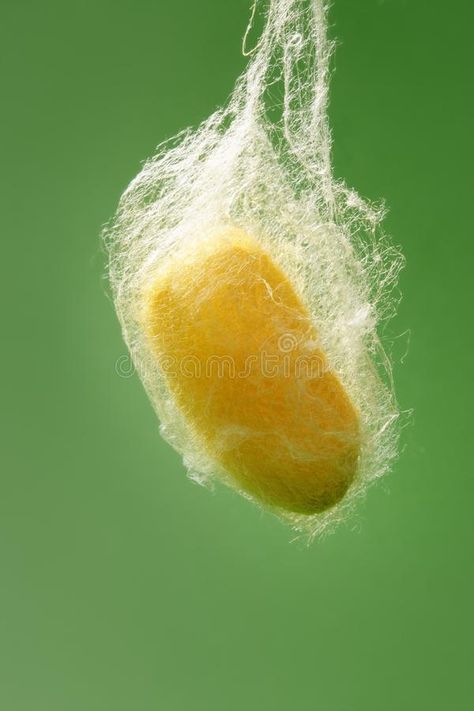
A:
124	586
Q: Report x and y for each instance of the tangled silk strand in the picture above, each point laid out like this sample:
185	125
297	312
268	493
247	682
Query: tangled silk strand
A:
260	167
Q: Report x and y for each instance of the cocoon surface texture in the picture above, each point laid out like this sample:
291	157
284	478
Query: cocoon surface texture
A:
249	284
240	353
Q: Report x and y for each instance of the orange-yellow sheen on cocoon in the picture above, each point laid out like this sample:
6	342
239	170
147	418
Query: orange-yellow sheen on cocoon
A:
241	360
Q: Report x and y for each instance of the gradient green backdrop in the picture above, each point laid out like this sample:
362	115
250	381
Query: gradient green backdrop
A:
125	587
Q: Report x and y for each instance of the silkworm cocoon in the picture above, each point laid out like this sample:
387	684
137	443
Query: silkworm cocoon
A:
245	369
250	283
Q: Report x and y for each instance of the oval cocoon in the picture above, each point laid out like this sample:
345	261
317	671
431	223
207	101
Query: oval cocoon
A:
242	361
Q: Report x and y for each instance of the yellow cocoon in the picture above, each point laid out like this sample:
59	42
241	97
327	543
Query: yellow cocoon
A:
250	284
241	359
